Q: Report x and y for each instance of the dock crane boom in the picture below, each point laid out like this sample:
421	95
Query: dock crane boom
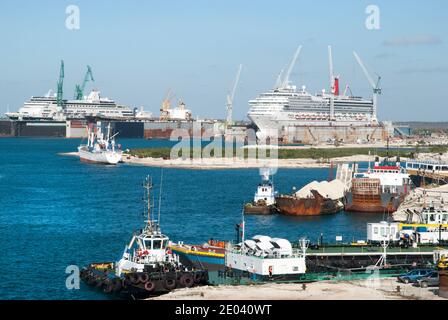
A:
79	89
60	85
291	66
231	96
375	86
330	64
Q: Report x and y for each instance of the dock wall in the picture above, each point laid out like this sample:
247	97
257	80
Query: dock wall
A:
164	129
346	134
39	129
6	128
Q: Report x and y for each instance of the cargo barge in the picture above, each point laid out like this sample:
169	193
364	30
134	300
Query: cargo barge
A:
379	190
316	198
386	244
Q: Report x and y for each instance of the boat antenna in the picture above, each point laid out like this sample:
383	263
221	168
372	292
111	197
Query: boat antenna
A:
160	195
148	186
369	162
243	227
388	148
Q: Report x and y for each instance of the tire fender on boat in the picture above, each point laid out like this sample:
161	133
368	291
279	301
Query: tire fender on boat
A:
134	278
186	280
198	277
150	286
143	277
117	284
169	284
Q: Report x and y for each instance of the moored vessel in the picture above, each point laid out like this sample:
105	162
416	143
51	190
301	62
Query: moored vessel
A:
313	199
100	147
208	256
264	199
379	190
147	266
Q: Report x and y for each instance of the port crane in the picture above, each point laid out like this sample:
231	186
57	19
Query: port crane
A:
285	81
166	104
60	85
79	89
334	84
375	86
230	97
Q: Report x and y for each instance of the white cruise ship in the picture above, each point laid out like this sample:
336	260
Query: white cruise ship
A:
285	107
38	108
46	108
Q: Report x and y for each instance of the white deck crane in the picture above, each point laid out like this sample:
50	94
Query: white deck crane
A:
330	64
332	83
285	81
375	86
231	96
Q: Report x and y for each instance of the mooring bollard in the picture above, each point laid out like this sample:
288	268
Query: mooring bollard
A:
398	289
304	286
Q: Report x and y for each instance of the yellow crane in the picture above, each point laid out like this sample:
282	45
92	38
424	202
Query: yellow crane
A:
166	104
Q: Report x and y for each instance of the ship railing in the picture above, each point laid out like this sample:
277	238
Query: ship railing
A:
353	250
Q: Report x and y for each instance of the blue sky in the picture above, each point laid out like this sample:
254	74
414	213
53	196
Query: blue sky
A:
140	49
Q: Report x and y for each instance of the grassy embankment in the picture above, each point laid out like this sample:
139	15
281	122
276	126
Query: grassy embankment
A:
312	153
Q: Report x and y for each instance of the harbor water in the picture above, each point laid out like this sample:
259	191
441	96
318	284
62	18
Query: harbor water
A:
56	212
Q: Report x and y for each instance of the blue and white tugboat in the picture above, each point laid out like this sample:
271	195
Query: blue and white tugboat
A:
264	198
147	266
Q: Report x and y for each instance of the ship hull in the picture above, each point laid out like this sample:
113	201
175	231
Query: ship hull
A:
259	210
199	257
102	157
292	206
380	204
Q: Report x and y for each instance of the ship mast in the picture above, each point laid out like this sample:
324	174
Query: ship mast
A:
147	185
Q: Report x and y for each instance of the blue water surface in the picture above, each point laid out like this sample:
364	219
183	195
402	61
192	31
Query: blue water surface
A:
56	211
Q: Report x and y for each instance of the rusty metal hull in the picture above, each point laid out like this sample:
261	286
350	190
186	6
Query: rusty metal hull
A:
293	206
443	284
372	203
366	196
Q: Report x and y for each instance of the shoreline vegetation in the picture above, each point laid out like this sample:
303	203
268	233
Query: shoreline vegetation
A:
287	157
288	153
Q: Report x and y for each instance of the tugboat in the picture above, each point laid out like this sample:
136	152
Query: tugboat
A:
147	266
100	148
264	199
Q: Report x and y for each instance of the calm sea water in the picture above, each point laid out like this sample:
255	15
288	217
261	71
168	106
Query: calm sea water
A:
56	211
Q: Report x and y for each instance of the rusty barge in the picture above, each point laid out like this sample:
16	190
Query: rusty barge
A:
379	190
316	198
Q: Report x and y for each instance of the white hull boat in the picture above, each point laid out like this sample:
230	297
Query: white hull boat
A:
100	148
